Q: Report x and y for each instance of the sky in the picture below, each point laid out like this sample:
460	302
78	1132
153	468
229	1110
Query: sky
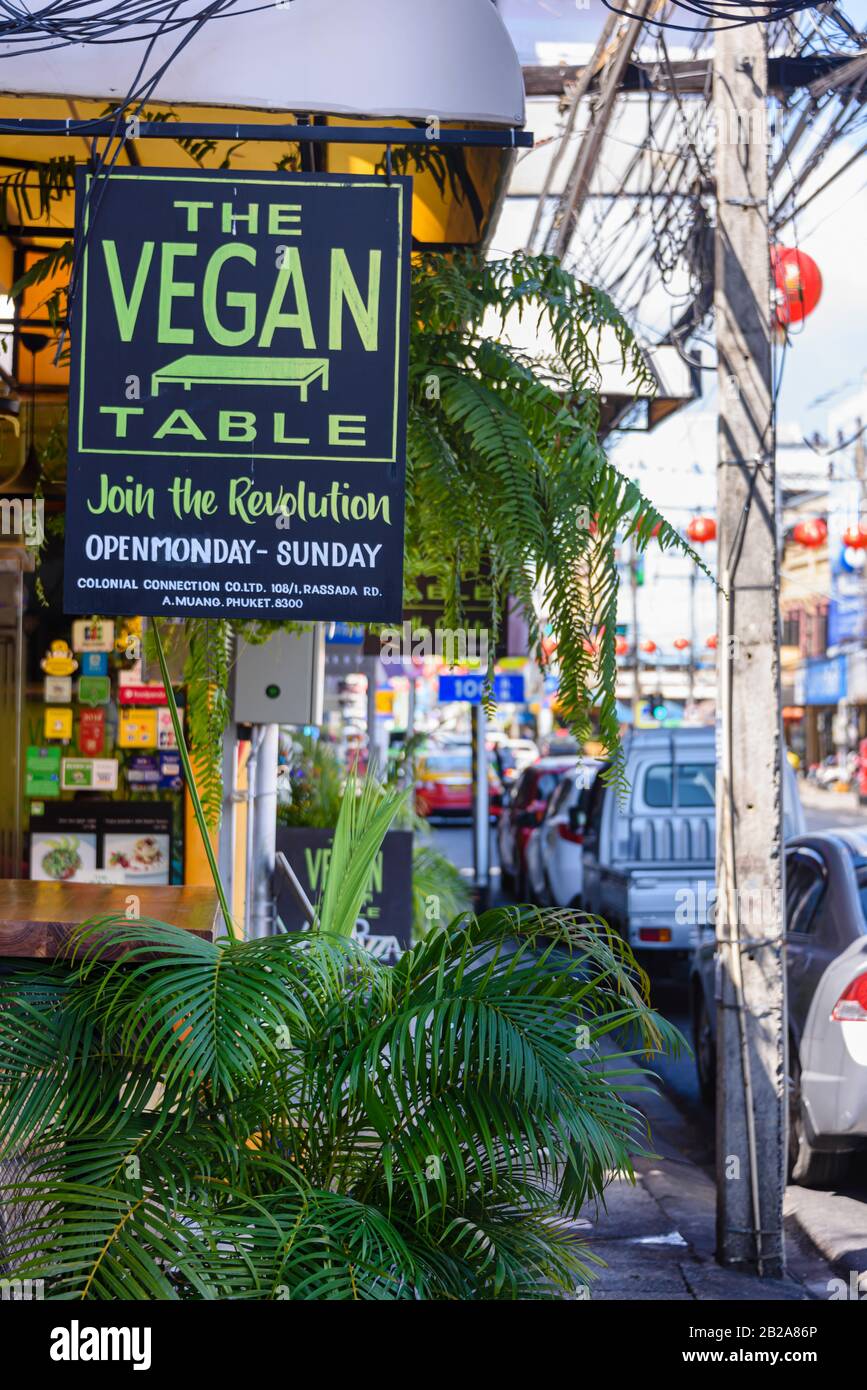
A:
824	382
550	21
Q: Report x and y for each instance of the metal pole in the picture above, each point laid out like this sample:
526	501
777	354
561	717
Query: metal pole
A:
481	809
751	1007
226	842
91	129
264	847
250	797
372	746
410	712
633	586
690	697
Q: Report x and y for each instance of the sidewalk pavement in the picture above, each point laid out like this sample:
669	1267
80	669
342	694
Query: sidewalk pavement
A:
657	1236
815	798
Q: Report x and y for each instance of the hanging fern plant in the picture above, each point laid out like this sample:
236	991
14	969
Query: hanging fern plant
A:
506	469
206	679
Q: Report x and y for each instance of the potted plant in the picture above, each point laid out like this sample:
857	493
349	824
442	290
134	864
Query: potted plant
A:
291	1119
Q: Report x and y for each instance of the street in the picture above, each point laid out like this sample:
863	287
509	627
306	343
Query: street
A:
833	1221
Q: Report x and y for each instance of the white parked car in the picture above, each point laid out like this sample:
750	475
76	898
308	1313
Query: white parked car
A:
649	853
826	958
555	849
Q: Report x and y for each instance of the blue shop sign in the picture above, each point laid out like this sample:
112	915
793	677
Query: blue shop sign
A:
94	663
345	634
468	689
825	681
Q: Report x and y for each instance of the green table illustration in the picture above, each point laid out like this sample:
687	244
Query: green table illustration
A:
243	371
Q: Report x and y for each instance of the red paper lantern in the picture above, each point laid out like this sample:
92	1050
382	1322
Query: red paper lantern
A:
621	646
655	530
798	283
701	530
811	534
649	647
681	644
713	642
854	538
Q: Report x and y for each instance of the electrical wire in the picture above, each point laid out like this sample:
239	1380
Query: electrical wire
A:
62	23
737	15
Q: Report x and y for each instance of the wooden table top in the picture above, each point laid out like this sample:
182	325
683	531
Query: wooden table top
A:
36	919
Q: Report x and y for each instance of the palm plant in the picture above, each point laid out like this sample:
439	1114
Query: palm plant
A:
316	778
288	1118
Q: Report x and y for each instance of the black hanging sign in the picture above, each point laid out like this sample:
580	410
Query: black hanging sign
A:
238	395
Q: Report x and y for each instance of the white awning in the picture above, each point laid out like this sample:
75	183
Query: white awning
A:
452	59
674	384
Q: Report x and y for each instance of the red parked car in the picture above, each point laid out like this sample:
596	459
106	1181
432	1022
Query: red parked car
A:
862	772
523	812
444	784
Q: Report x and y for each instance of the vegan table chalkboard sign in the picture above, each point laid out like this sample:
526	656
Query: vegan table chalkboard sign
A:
238	395
385	924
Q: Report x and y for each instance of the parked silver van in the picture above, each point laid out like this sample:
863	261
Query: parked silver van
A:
649	859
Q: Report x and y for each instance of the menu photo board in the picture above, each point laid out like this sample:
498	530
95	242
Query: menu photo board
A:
238	395
86	842
63	844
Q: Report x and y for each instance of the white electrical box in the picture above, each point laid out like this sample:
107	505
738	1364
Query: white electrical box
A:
281	681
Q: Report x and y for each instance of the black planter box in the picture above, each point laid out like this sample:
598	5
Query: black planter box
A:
385	923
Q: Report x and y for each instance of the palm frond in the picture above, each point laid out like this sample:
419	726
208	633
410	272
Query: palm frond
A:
366	813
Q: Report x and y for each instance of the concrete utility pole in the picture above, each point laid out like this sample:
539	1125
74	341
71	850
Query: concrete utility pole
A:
751	1013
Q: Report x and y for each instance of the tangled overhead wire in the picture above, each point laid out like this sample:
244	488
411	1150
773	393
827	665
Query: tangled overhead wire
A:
59	23
65	22
644	230
734	14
